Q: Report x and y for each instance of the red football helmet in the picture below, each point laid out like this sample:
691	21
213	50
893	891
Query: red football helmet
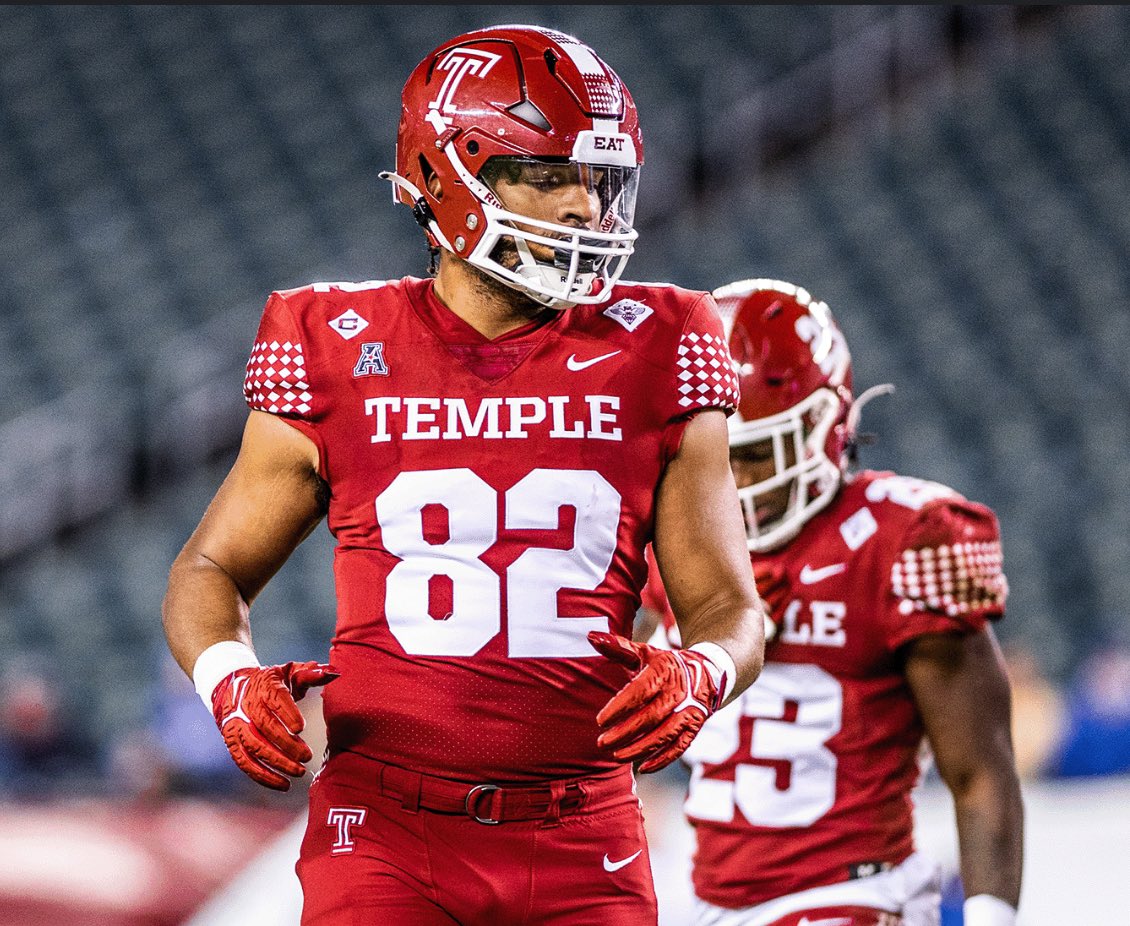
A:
519	100
794	372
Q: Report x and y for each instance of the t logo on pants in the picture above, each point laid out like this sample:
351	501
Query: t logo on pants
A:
344	818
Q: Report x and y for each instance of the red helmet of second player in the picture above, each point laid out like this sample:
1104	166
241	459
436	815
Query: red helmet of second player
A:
794	371
512	101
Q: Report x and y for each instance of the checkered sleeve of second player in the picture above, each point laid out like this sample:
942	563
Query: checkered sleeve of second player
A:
806	780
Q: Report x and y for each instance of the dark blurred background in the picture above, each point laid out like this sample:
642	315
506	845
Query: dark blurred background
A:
953	180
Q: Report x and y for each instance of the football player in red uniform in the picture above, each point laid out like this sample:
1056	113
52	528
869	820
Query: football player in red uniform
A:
494	448
881	590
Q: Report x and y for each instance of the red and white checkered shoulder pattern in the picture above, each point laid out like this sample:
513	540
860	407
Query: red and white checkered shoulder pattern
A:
706	375
952	564
276	380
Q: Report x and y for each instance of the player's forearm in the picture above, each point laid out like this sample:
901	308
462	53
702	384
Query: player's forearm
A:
990	825
202	606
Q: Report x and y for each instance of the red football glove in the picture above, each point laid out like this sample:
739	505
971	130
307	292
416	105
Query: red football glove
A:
657	714
257	714
773	588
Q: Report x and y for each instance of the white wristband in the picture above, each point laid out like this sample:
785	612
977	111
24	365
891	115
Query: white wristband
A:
987	910
216	663
722	661
770	628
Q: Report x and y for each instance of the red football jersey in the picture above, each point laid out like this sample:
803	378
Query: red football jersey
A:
491	500
806	779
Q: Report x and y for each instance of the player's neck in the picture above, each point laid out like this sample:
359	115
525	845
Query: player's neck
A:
488	306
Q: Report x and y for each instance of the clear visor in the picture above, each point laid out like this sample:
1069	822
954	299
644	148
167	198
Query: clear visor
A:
804	479
560	230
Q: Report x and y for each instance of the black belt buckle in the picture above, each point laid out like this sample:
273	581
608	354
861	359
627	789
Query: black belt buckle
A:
472	800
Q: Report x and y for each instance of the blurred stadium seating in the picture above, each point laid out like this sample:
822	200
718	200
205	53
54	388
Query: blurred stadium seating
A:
953	180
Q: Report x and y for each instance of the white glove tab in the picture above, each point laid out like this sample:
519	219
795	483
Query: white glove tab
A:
770	628
216	663
987	910
722	661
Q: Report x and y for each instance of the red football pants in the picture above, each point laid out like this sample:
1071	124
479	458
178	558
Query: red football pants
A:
367	861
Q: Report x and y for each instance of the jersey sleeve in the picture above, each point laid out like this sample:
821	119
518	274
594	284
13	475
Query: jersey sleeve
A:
276	380
948	574
704	371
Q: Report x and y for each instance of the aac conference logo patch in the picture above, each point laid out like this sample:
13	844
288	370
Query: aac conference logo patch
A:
372	360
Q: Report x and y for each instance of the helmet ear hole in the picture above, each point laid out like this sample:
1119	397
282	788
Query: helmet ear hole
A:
431	179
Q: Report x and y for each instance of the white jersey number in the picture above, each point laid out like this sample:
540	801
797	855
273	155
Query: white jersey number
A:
530	584
793	782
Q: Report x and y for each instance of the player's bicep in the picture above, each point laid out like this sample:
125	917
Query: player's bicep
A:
959	684
699	542
268	504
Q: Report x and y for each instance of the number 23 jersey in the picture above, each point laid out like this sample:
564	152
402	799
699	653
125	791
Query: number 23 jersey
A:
806	780
491	500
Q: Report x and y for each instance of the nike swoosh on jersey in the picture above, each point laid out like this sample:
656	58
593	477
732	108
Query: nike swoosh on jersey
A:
574	364
810	576
610	865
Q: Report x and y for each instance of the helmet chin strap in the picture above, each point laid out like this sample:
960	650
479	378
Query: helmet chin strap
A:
549	284
420	207
529	266
546	275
